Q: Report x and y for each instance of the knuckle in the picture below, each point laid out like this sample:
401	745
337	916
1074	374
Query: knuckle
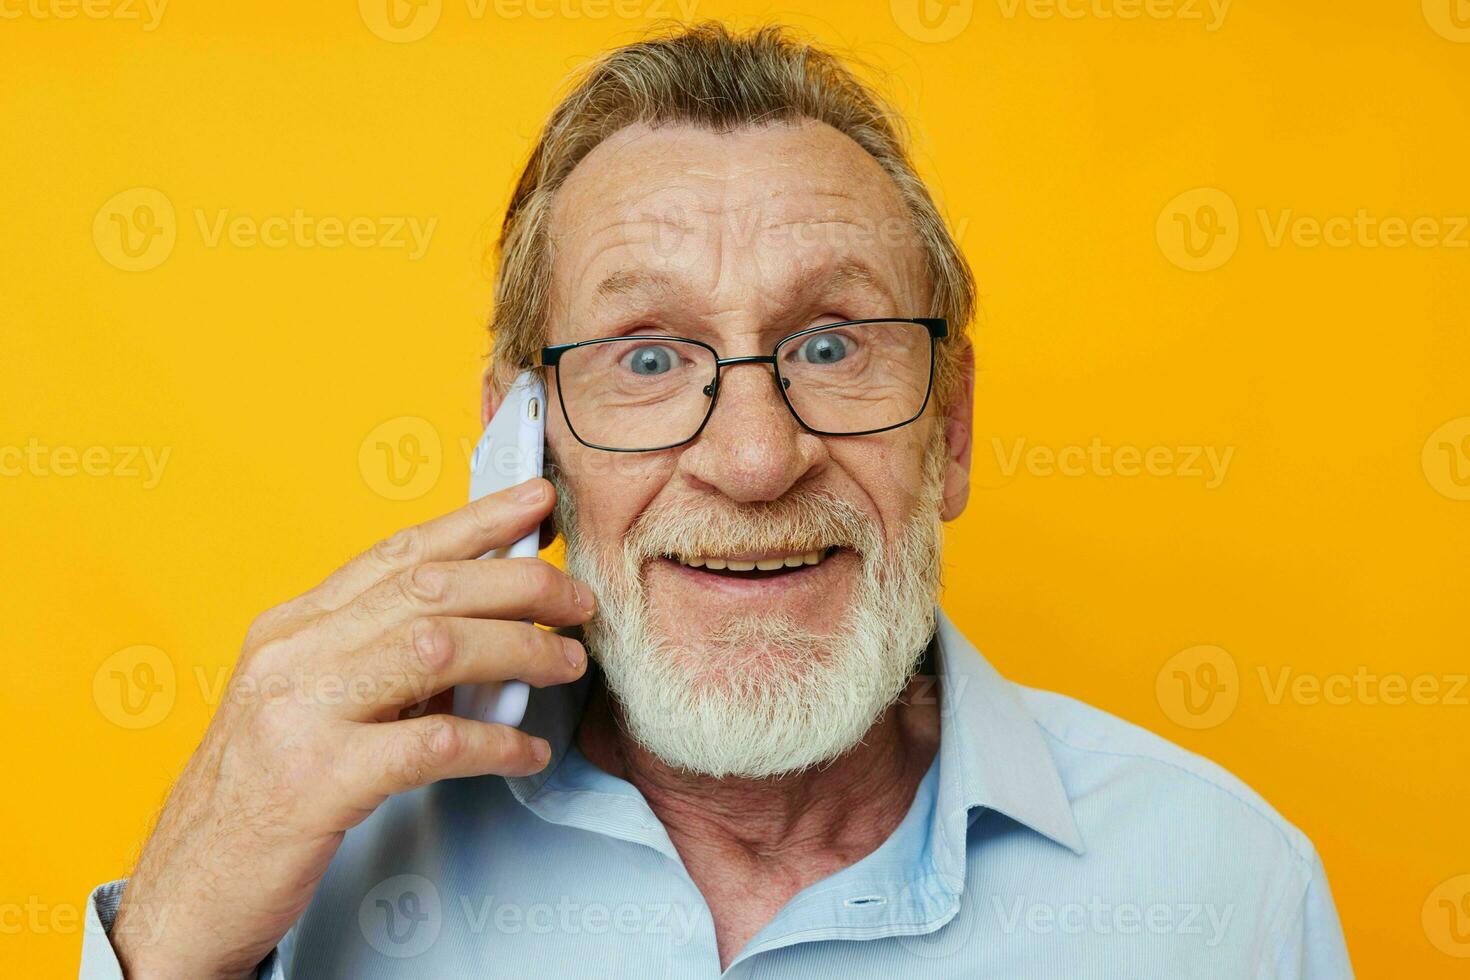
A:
433	643
538	646
500	744
433	743
484	514
260	628
442	742
541	577
270	656
427	583
401	548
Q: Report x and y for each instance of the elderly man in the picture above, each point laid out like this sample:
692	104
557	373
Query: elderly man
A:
754	746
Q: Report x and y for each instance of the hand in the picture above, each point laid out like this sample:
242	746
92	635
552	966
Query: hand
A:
315	731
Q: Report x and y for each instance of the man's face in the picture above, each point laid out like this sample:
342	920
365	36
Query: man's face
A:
737	240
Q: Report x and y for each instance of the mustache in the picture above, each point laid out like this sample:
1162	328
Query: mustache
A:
803	520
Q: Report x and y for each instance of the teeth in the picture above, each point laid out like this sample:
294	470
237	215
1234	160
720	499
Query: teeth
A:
765	564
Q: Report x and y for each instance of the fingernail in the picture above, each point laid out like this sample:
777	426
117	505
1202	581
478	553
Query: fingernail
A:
533	491
540	751
583	604
573	650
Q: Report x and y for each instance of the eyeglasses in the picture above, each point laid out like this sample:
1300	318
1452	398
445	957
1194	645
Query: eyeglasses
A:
644	393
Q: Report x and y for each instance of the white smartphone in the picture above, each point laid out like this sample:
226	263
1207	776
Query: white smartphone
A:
509	452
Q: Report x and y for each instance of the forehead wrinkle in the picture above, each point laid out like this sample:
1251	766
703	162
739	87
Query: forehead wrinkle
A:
842	273
803	285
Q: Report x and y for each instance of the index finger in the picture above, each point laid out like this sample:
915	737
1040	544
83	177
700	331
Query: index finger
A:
493	521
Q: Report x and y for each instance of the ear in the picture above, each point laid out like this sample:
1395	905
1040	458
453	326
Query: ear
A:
959	429
490	399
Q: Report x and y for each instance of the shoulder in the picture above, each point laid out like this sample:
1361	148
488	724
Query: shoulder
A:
1124	780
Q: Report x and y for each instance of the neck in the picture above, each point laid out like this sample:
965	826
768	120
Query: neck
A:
799	826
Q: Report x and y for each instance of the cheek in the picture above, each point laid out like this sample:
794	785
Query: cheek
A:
888	473
610	489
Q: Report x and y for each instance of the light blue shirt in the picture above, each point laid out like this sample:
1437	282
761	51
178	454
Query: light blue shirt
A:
1047	840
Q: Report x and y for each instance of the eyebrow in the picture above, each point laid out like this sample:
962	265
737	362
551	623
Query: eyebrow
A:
856	273
850	273
634	280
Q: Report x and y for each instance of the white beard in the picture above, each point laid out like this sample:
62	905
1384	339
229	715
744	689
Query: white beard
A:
764	696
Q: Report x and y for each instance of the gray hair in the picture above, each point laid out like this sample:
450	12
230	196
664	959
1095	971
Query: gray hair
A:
708	76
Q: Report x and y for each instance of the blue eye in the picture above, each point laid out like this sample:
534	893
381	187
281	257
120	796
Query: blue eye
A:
652	360
824	348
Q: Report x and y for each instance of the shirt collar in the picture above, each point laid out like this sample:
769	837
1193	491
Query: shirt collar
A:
991	752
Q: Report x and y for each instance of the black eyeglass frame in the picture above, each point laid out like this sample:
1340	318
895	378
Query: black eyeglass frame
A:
938	329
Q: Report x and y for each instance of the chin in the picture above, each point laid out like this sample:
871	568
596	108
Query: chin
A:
748	654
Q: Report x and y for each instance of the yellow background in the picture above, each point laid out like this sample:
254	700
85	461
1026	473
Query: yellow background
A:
1335	543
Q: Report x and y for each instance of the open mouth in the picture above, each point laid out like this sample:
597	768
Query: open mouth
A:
754	567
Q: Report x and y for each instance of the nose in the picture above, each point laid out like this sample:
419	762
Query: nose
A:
752	449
